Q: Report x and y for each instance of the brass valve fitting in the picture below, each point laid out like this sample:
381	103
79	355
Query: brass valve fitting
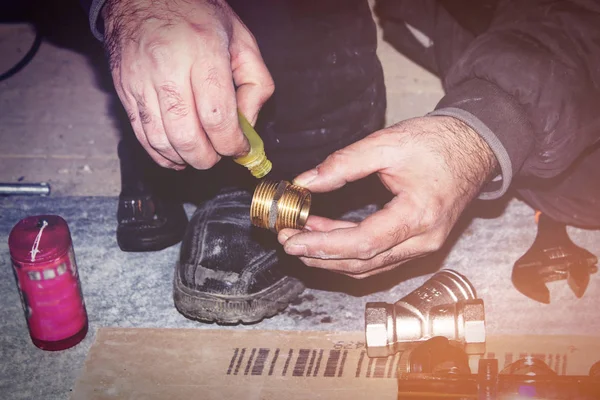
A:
279	205
446	305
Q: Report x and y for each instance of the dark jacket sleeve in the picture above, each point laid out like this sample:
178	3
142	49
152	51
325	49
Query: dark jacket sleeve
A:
93	8
530	86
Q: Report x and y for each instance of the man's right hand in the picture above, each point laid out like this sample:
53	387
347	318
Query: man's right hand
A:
182	68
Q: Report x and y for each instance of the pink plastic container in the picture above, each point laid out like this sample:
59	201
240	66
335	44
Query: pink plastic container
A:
46	272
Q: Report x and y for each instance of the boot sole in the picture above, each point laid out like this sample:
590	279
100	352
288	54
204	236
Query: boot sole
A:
208	307
129	242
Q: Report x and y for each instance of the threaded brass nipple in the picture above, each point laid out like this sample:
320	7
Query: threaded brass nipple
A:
279	205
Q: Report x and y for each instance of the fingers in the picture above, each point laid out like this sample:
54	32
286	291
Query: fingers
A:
360	269
152	124
377	233
133	113
176	74
182	125
409	250
379	243
214	94
354	162
191	116
252	78
315	223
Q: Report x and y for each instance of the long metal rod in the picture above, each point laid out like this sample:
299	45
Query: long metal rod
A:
24	189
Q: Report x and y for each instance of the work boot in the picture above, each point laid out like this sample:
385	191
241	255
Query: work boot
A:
228	271
149	217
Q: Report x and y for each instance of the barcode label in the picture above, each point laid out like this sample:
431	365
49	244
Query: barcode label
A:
351	362
327	363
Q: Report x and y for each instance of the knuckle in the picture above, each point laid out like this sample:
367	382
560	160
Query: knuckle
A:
144	113
145	117
172	100
434	243
356	269
210	34
207	161
388	257
218	119
163	162
431	214
268	88
185	143
158	143
336	160
401	233
213	78
234	147
365	250
132	116
130	72
158	51
337	156
166	164
432	247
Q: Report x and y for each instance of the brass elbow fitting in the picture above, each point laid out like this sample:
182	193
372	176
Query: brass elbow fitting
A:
446	305
279	205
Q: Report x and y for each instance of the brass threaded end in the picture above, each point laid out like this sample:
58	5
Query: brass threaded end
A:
280	205
261	203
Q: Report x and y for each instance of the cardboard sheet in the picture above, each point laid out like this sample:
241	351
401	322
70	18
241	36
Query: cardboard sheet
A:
252	364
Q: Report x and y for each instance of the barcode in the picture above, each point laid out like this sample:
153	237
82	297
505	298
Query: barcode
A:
345	363
328	363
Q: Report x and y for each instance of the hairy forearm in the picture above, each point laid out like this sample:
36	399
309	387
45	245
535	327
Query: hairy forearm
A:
468	156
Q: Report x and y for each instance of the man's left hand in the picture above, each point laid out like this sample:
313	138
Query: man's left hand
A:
434	166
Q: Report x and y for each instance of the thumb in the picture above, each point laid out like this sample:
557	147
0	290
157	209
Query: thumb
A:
349	164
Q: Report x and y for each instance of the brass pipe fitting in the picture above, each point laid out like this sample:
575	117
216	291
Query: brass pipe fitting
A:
446	305
279	205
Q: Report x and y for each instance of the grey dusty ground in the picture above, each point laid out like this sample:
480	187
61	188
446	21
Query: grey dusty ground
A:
57	125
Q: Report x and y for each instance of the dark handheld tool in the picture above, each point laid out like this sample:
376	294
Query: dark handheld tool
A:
553	256
437	370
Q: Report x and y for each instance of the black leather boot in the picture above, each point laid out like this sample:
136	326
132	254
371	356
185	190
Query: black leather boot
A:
149	215
228	271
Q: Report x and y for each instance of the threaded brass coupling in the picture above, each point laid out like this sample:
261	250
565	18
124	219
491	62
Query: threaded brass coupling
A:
279	205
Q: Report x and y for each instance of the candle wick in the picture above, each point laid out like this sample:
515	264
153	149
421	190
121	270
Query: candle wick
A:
36	243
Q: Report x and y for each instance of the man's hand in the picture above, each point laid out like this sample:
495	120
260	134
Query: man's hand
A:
433	165
176	65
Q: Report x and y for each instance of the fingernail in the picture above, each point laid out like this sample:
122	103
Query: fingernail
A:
306	178
295	249
283	237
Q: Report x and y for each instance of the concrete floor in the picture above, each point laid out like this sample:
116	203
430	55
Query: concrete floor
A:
57	116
